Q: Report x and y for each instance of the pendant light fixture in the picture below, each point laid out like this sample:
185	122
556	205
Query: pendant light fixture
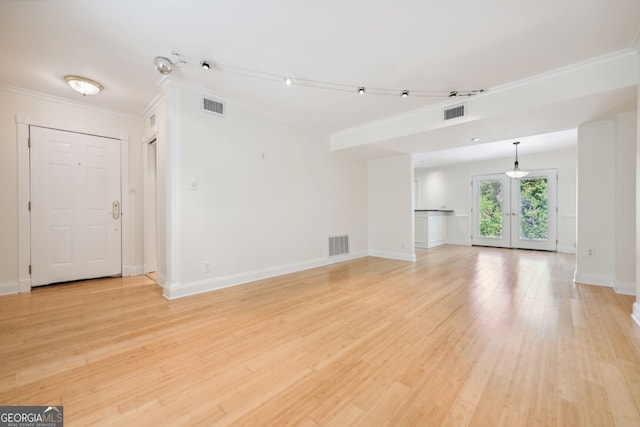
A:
516	172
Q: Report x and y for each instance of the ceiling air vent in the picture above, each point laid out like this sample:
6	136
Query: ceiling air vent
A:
212	106
454	112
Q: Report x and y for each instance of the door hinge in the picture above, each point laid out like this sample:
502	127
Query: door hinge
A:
29	142
29	206
29	269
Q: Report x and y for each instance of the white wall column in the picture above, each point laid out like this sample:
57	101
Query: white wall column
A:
391	208
636	305
595	257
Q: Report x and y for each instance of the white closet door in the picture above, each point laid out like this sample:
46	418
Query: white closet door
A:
76	228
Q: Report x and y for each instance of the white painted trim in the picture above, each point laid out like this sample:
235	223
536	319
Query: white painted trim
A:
65	101
635	315
593	279
127	205
400	256
24	225
9	288
624	288
567	250
177	290
147	208
458	242
172	190
132	270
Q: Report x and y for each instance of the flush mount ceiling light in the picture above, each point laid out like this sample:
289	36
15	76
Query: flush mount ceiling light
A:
362	90
288	81
516	172
163	65
205	65
405	94
83	85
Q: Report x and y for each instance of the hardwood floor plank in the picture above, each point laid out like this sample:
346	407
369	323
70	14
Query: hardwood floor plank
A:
463	336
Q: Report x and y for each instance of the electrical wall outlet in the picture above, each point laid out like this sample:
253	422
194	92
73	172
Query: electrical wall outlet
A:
206	267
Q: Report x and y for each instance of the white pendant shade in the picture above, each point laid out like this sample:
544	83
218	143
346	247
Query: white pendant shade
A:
516	172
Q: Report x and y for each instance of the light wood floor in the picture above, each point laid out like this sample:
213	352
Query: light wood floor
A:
465	336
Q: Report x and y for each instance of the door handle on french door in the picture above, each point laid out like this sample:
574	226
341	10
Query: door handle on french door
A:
115	212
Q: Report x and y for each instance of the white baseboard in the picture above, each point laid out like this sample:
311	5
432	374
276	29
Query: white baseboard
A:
624	288
132	270
24	285
400	256
636	312
179	290
567	249
458	242
593	279
9	288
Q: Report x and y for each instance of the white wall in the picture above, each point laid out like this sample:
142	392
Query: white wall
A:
450	187
45	110
256	197
606	203
391	208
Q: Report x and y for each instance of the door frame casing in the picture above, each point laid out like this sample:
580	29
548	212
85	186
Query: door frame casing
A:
24	184
148	208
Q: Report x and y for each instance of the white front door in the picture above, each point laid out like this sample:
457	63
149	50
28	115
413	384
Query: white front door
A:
76	228
515	213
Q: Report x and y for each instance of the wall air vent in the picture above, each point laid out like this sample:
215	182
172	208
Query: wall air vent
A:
339	245
213	106
455	112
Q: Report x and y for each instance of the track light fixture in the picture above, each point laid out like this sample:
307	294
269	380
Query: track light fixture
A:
165	65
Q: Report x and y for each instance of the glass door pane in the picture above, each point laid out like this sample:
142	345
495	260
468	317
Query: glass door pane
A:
491	195
534	223
534	201
490	209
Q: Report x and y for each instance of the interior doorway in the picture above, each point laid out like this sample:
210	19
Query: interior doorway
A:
151	207
515	213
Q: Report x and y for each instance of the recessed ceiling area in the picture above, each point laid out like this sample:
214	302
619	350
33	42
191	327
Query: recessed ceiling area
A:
552	141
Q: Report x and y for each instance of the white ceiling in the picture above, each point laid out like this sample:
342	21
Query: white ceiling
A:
400	44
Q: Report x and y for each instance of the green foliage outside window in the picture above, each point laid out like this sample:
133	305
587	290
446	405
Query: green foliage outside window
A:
533	209
534	224
491	209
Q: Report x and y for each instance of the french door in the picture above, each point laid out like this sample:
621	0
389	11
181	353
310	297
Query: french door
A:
76	221
515	213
